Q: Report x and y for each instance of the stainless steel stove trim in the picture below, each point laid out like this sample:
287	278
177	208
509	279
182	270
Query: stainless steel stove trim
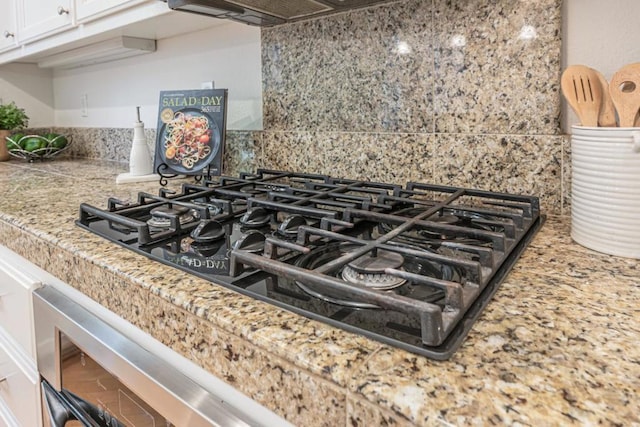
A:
167	390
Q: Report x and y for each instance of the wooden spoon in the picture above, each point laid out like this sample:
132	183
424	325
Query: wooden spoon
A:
607	116
625	93
582	89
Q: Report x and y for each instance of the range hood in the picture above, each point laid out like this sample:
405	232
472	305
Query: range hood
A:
267	13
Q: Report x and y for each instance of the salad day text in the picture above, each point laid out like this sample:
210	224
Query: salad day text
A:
190	101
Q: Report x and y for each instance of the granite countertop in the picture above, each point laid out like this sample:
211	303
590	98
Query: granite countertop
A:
558	344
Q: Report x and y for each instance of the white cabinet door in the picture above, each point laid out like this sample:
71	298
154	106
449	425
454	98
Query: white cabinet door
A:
16	315
87	10
19	378
41	18
19	387
8	37
7	419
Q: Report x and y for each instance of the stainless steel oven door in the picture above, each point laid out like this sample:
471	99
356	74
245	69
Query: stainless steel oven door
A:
94	374
93	396
65	409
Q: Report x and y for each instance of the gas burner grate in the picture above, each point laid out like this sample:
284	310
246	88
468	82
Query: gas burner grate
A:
410	266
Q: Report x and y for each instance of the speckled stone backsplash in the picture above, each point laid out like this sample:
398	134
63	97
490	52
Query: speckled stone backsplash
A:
115	144
458	92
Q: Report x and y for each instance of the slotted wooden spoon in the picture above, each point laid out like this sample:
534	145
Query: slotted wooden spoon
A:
625	93
607	116
583	91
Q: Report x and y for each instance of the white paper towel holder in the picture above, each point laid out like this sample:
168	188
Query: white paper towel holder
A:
140	161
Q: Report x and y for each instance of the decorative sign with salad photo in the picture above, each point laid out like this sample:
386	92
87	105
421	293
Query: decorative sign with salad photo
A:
191	132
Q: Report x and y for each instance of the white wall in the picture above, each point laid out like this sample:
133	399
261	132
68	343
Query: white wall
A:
604	35
30	88
227	54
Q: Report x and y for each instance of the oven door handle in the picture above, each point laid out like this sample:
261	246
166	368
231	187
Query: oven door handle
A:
98	417
61	411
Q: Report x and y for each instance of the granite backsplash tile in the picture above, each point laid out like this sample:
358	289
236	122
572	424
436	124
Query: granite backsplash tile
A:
395	158
497	66
457	92
366	71
518	164
241	147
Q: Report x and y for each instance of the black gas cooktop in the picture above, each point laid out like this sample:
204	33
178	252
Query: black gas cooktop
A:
410	266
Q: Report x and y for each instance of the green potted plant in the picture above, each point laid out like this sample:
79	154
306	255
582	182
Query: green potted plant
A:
11	118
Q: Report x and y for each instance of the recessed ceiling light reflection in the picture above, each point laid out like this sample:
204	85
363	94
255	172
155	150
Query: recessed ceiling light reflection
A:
403	48
458	40
527	32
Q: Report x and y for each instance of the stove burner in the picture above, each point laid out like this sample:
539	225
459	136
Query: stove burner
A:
374	281
208	231
289	227
460	218
252	242
162	215
445	219
376	264
213	209
371	274
255	218
369	270
206	249
262	188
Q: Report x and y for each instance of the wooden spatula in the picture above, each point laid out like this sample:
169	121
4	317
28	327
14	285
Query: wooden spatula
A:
607	115
624	88
582	89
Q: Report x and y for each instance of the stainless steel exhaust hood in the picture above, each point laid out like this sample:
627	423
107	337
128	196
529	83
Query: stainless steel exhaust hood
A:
267	13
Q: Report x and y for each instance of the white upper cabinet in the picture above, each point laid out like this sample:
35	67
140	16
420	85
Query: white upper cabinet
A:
8	36
41	18
46	27
87	10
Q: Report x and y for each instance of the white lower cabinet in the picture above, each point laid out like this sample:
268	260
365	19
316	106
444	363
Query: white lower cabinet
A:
19	386
16	317
6	416
19	378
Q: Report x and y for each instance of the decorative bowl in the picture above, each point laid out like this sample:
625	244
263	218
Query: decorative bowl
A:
37	147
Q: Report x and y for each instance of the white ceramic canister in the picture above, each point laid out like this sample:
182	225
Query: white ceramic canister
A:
605	189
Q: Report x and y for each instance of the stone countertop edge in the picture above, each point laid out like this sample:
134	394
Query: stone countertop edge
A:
556	345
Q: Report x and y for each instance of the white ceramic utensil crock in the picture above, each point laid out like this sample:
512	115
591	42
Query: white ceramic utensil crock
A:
605	187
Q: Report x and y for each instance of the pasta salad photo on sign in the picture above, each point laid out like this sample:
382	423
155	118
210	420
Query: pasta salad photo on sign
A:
191	132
